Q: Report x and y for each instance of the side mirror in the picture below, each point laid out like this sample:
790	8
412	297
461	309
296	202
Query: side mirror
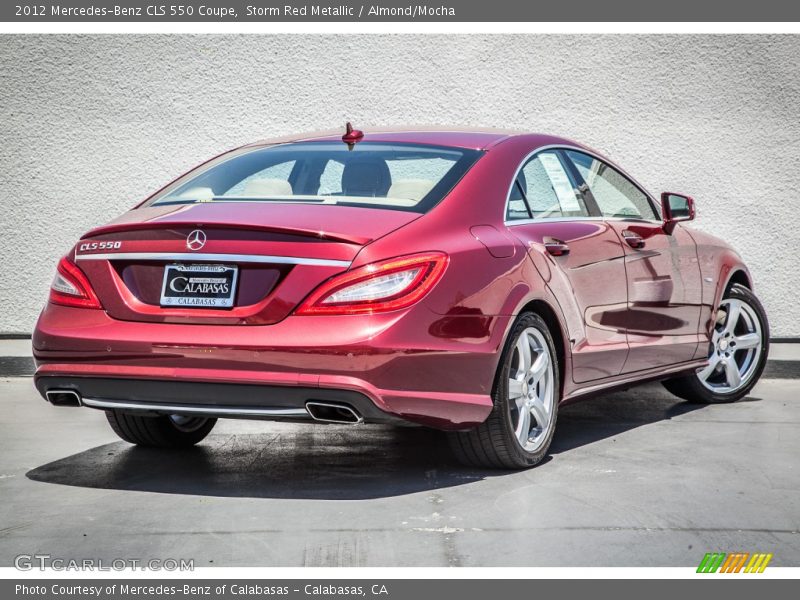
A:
674	209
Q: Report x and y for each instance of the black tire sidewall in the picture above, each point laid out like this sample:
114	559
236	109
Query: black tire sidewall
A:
502	405
179	437
155	431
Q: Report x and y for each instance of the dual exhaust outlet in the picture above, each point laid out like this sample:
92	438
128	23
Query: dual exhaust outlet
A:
331	412
325	412
63	397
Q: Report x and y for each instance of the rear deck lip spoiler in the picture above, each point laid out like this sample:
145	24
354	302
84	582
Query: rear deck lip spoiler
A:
359	240
222	258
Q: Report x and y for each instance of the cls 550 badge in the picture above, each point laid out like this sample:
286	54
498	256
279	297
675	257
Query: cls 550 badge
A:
92	246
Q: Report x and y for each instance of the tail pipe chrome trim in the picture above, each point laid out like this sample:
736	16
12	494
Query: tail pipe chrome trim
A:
219	411
226	258
330	412
326	412
63	397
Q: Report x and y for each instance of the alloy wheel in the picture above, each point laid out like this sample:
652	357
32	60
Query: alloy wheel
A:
736	346
531	389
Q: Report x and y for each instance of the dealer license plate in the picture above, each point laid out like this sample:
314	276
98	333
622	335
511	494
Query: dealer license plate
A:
199	286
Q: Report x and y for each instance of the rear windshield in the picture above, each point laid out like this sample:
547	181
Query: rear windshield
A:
395	176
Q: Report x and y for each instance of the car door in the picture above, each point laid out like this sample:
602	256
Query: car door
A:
663	274
580	258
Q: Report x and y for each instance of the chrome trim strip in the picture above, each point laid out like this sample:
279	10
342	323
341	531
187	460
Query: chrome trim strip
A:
199	410
223	258
514	222
632	220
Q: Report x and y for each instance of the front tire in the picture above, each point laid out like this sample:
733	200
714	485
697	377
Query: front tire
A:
165	431
526	390
737	352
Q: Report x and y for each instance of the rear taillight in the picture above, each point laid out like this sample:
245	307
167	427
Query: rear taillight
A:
379	287
71	288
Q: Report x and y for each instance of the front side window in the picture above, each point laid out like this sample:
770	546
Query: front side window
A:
395	176
615	194
544	189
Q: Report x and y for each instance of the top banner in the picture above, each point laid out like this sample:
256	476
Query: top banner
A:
399	11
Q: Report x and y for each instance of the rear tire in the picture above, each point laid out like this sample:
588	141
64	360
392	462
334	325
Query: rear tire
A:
526	390
165	431
734	365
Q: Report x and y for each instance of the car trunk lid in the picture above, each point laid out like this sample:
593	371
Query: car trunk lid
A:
279	252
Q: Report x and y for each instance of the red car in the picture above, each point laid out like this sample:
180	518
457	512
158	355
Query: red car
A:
470	281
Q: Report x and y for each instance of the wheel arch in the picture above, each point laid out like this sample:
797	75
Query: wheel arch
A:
551	318
740	276
730	273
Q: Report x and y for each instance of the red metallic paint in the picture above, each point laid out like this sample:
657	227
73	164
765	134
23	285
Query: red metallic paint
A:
664	296
432	362
352	136
595	313
719	265
279	230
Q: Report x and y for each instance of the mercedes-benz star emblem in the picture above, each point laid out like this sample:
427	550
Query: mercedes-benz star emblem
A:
196	240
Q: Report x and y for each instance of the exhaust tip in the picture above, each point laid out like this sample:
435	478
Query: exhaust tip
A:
328	412
63	397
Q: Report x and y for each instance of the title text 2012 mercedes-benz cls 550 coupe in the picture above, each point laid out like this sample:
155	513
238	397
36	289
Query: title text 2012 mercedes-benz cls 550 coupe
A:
470	281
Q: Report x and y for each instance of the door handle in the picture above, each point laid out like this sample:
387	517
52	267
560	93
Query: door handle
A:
555	246
634	239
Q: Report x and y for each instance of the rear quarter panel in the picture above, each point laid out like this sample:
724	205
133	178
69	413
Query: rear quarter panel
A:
490	278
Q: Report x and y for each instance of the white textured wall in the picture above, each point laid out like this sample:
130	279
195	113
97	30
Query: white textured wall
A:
90	125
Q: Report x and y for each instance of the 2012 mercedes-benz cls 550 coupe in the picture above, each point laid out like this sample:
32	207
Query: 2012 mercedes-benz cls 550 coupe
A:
470	281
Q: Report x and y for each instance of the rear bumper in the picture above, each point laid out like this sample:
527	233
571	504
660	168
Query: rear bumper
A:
226	400
384	370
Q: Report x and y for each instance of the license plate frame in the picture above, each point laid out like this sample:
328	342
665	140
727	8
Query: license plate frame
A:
211	286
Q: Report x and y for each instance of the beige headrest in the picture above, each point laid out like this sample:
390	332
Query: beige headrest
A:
200	194
412	189
267	187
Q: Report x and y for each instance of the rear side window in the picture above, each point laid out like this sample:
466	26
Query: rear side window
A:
544	189
615	194
517	207
406	177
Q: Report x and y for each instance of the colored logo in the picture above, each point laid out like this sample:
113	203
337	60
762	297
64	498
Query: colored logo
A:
736	562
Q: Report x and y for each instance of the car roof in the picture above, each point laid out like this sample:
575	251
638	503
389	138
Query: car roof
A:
472	138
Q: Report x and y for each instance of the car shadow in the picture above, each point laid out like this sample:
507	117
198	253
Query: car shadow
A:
611	414
336	462
303	462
